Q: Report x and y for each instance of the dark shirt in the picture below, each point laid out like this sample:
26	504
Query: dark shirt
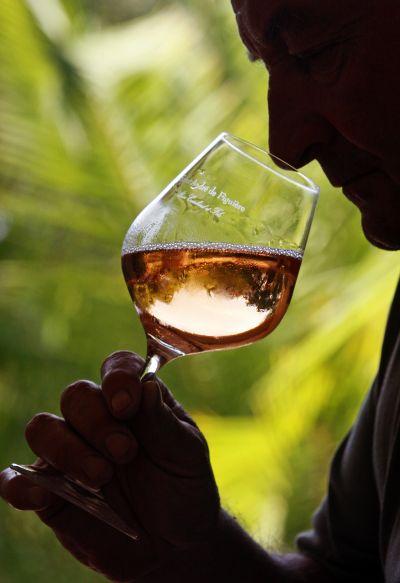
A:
356	531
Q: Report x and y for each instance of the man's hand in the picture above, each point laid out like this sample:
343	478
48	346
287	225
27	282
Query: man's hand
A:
147	455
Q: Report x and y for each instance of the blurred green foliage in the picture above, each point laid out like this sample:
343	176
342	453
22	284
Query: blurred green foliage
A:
101	104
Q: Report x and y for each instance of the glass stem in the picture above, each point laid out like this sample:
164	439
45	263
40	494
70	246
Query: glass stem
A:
153	364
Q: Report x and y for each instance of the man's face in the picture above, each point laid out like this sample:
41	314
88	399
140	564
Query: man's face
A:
334	95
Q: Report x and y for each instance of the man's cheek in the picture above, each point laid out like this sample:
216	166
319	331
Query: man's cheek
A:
368	96
350	108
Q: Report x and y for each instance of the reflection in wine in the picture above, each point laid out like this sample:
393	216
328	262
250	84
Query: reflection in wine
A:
199	297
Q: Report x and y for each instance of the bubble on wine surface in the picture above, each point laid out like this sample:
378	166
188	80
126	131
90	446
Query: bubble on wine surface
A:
211	246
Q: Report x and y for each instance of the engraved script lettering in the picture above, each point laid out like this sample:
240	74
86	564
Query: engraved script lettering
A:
196	185
193	200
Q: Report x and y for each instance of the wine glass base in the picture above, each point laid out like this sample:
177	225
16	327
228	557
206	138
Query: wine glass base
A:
88	500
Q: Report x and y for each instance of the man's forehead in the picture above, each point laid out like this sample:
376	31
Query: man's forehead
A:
265	17
270	7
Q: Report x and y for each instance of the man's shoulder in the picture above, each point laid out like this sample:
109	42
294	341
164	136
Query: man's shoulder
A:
392	331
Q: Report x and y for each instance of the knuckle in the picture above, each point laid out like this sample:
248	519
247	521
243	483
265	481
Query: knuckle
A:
120	374
36	425
199	442
61	457
73	395
7	489
4	479
45	434
122	359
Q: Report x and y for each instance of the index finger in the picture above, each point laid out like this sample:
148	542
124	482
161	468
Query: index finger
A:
121	386
22	494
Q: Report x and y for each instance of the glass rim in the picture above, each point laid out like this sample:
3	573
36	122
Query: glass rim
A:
306	183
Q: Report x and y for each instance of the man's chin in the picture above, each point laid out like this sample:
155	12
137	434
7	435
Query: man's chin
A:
377	197
380	236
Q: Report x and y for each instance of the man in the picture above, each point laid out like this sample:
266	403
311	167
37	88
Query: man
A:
334	96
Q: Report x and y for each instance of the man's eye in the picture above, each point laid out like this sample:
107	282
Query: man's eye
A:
322	64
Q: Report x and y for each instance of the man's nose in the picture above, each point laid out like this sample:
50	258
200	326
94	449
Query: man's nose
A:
297	130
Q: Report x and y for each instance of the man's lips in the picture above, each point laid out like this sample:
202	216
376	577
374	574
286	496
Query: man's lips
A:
358	177
342	181
362	188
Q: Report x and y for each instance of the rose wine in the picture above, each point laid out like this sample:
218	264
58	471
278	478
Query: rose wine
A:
197	297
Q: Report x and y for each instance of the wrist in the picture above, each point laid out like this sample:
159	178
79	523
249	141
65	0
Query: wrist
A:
229	554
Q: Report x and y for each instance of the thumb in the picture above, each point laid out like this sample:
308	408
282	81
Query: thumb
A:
172	443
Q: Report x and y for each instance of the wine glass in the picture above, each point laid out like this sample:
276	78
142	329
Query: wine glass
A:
210	264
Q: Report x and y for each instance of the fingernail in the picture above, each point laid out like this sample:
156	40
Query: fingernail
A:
39	497
97	469
118	444
121	401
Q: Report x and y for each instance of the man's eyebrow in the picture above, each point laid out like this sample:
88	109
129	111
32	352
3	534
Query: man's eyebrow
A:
287	19
274	26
